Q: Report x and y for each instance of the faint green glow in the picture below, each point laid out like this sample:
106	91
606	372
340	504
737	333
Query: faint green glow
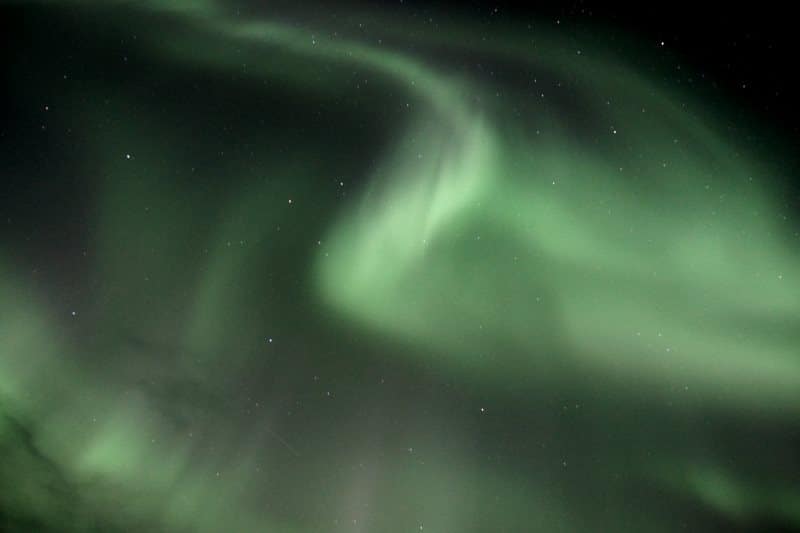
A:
501	241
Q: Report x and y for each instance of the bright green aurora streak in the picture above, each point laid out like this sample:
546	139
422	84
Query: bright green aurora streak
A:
398	293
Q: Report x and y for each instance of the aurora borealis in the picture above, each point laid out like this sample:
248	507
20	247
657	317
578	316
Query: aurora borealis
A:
269	267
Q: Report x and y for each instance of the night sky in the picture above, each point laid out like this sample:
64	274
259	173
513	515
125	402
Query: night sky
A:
409	266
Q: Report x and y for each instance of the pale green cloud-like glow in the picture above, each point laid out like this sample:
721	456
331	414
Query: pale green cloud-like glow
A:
499	241
638	282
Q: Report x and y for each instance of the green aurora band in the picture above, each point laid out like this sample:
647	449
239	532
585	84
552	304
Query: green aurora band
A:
549	294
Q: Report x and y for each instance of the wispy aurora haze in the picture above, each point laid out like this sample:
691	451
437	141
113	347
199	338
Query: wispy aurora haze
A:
316	268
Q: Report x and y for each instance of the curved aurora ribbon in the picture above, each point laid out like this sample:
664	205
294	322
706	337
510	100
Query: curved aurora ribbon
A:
561	227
